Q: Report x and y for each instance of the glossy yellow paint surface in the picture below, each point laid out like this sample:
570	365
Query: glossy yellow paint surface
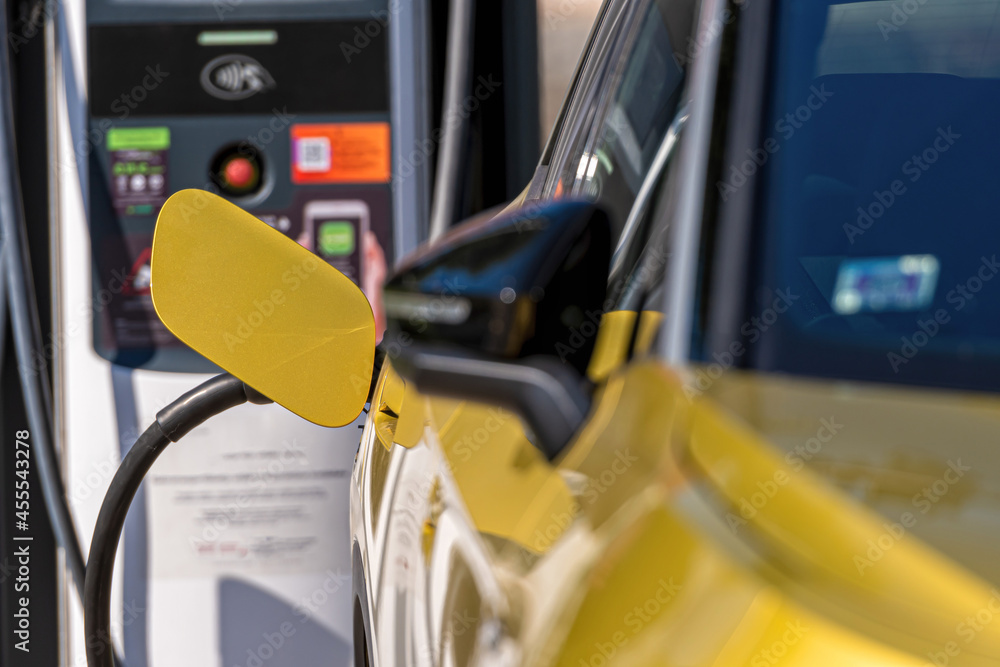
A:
488	454
509	490
393	424
739	520
891	448
387	404
707	548
262	307
614	336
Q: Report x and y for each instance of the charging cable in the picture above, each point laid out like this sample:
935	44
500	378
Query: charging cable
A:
172	423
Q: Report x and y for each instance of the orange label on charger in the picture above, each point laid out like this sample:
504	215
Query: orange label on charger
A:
341	153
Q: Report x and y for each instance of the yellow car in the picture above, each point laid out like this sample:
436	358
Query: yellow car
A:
719	388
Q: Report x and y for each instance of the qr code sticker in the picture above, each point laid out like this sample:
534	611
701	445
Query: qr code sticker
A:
314	154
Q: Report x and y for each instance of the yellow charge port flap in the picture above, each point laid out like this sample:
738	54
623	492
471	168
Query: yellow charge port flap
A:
262	307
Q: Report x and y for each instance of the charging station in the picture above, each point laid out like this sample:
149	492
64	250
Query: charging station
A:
306	114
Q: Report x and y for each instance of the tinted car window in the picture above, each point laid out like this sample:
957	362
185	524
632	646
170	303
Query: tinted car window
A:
880	206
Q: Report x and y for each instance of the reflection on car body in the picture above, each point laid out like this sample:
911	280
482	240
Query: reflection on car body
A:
787	451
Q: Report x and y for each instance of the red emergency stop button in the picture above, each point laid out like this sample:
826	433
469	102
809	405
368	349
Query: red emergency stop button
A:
236	173
240	173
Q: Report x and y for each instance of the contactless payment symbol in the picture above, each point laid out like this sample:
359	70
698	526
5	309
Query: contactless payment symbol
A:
336	238
235	77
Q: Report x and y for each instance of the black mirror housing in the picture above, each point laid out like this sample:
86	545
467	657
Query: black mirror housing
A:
491	313
510	287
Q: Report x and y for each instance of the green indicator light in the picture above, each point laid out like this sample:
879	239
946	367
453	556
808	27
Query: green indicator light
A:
238	37
138	138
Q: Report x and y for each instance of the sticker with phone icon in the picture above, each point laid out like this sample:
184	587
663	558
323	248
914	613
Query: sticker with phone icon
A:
337	229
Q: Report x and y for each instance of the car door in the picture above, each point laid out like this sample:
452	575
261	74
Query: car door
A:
450	489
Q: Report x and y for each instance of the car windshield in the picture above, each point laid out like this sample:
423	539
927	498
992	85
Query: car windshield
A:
881	183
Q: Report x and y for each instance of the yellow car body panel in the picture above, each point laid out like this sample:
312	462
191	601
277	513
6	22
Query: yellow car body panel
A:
481	441
678	581
712	529
704	517
895	449
488	456
509	489
614	336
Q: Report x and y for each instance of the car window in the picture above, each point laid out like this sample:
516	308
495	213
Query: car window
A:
878	209
624	110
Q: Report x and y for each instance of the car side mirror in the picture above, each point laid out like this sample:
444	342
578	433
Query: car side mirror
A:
491	312
262	307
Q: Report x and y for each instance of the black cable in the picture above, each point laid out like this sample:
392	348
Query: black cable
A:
26	329
3	303
172	423
97	592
